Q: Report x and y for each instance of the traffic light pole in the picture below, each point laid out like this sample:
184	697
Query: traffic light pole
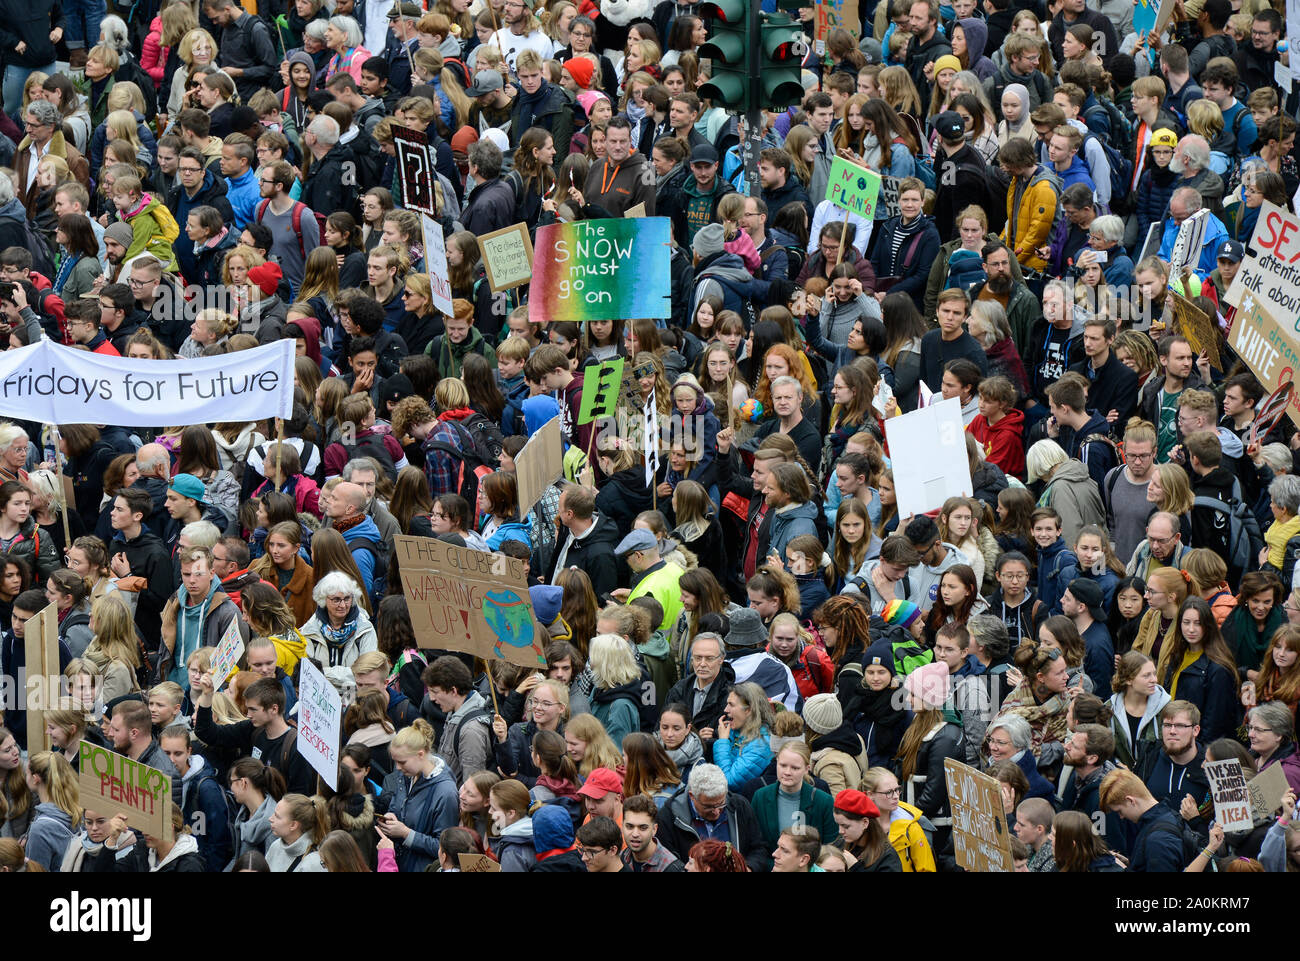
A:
751	136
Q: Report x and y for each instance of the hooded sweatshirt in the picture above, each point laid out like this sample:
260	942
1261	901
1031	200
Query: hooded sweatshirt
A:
49	835
190	619
1002	442
620	186
976	32
513	847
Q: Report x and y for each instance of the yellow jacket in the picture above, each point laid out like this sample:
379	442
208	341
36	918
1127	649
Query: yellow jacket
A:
909	841
1032	217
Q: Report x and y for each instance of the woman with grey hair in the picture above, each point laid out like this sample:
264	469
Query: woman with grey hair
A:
1010	738
988	324
1284	502
1271	729
340	631
343	36
1106	235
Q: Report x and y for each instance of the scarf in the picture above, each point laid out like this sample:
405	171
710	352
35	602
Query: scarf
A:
336	639
902	233
342	526
212	242
557	786
528	104
65	269
635	112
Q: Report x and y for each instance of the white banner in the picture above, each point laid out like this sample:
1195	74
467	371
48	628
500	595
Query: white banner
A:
927	473
59	385
320	716
435	263
650	438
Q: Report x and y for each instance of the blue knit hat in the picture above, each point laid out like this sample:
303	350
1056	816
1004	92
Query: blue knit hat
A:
546	599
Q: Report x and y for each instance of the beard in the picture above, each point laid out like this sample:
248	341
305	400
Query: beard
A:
999	284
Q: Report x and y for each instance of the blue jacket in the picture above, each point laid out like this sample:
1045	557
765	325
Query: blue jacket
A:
426	805
787	524
203	804
243	194
1213	689
365	560
48	836
1051	581
749	763
1076	173
616	708
1215	235
1039	786
1158	848
511	531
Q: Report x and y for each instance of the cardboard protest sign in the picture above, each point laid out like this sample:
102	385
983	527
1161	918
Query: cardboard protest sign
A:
1271	270
415	170
635	211
1266	790
227	655
1231	797
112	784
980	836
507	257
1271	409
467	600
853	188
928	451
836	13
600	391
41	648
477	864
1197	326
1187	243
320	721
889	197
1270	350
1164	11
540	464
602	270
60	385
435	263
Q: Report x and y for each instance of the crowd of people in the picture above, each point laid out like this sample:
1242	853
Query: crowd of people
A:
753	662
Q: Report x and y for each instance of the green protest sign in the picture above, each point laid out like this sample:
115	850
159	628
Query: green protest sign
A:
600	391
113	784
853	188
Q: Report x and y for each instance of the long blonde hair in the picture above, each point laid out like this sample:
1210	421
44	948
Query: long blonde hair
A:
60	782
114	638
601	749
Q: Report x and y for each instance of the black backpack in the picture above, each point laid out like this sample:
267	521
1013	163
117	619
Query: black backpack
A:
374	448
1244	538
42	260
379	576
1121	170
487	436
1121	134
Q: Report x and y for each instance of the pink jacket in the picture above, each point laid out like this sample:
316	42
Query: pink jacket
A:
153	55
387	861
306	495
743	247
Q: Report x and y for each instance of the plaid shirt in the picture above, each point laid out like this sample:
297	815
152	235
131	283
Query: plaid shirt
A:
442	469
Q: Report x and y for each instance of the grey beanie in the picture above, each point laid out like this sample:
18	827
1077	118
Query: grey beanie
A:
822	713
709	240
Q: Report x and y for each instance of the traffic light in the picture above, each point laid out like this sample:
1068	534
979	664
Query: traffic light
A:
781	65
729	48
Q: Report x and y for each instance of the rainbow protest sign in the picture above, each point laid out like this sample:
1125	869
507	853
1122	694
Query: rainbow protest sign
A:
601	270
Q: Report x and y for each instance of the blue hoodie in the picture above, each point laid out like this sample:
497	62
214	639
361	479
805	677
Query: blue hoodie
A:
552	828
243	194
1054	561
190	621
49	835
538	411
364	558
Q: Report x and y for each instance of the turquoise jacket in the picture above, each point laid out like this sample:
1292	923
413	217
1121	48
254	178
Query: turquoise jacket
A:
817	807
752	760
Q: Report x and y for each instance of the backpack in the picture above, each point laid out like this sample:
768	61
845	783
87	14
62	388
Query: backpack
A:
1121	134
42	260
475	462
373	447
1191	843
379	577
298	208
925	171
1244	538
486	435
479	715
1121	170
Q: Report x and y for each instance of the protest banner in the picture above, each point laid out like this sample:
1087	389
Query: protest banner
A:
1186	252
1196	325
540	464
59	385
1271	409
415	169
928	451
1144	16
41	649
600	391
1266	790
227	655
477	864
853	188
112	784
1270	350
650	438
1231	797
981	839
507	257
320	720
435	263
467	600
609	269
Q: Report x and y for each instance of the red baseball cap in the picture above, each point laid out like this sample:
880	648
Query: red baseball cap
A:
600	782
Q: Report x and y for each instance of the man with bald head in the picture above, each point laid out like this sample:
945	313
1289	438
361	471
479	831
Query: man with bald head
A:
347	514
1163	546
154	464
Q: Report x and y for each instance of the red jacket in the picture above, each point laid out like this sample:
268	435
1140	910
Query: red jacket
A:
1002	442
813	671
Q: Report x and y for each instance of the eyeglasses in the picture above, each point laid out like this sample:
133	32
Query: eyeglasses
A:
1176	726
1256	729
343	599
546	704
137	283
1015	576
892	792
703	805
190	170
585	853
1158	541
